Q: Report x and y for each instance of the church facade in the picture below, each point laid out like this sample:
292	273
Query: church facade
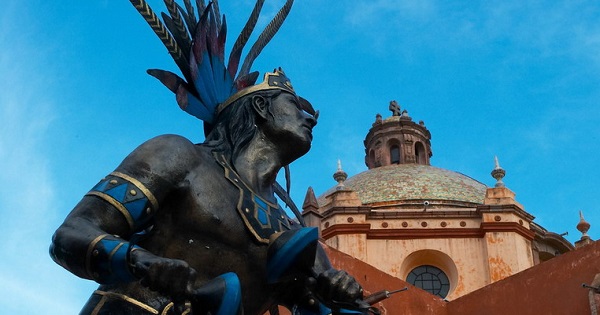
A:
437	229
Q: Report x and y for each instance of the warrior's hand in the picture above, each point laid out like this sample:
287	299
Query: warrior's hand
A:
338	286
171	277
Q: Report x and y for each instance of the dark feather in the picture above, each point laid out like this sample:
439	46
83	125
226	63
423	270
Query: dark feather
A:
221	40
160	30
217	13
179	30
189	16
240	42
200	6
202	69
200	44
212	31
246	80
266	36
185	45
169	79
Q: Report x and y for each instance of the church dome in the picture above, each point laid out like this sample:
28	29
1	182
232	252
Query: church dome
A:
405	182
397	154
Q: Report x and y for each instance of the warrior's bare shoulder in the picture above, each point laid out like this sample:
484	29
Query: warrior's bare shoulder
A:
167	157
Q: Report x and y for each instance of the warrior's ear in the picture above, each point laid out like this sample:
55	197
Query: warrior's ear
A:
260	105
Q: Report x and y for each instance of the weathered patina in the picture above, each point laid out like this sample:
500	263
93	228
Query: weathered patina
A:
182	228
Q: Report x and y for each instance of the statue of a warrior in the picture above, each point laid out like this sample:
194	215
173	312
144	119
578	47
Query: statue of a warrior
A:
182	228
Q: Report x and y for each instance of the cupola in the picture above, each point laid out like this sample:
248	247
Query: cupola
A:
397	140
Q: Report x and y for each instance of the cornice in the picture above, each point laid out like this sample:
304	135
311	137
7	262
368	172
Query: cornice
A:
505	208
508	227
338	229
405	234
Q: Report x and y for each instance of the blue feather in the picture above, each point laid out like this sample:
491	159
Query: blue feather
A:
205	74
195	107
200	83
223	80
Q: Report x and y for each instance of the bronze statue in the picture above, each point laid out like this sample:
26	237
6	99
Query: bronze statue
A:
182	228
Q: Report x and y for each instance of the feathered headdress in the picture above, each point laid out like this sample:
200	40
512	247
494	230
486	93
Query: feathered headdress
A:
198	48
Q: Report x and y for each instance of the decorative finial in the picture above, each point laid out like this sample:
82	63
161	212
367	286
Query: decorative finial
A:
378	119
404	115
583	226
340	176
498	173
395	108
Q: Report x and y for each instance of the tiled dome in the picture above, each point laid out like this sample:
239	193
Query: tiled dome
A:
413	182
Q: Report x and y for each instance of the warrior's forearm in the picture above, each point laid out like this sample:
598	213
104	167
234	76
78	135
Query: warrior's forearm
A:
94	255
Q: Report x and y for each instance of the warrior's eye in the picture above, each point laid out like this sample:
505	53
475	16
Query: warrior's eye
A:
294	100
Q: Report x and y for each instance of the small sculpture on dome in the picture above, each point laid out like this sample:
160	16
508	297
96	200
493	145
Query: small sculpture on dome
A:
498	173
395	108
583	226
340	176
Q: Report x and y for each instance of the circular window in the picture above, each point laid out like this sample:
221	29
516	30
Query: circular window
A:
430	279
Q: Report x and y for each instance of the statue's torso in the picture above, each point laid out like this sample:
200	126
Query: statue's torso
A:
199	223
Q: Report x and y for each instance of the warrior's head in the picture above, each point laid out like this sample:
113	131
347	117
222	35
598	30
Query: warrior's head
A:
234	108
270	111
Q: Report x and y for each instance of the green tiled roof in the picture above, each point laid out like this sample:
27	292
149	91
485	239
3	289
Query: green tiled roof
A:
413	181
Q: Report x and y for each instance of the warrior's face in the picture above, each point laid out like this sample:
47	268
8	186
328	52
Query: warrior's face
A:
288	125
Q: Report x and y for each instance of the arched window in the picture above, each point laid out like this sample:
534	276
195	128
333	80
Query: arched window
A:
420	154
395	154
430	279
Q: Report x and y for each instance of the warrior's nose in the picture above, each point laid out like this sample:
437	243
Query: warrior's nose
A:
312	120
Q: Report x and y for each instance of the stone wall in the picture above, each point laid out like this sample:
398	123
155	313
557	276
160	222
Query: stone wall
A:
552	287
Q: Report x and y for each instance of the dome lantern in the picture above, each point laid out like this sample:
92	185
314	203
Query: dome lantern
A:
397	140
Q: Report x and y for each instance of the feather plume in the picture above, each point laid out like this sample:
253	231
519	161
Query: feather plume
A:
198	48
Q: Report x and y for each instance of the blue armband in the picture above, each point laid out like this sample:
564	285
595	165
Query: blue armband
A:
128	195
107	260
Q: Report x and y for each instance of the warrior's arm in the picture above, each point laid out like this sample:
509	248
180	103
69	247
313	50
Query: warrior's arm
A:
322	282
93	241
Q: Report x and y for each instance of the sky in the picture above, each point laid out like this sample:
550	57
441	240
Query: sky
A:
515	79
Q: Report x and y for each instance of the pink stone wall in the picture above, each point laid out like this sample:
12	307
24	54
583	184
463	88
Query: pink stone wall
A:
552	287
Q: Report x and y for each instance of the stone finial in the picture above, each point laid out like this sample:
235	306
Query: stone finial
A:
340	176
378	119
583	226
498	173
405	116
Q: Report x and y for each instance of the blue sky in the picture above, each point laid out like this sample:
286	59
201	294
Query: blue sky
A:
516	79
